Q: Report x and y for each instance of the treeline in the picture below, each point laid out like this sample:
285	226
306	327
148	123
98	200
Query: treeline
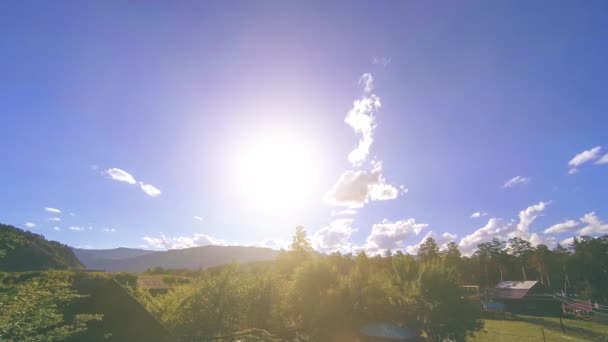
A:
25	251
580	269
322	297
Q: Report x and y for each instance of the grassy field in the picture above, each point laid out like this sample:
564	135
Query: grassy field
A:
601	328
506	330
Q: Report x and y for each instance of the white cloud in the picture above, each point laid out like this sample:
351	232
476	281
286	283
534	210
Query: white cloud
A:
343	212
384	61
567	242
52	210
441	240
583	158
72	214
120	175
272	243
478	214
362	119
355	188
561	227
516	181
334	237
391	235
75	228
55	219
198	218
367	82
603	160
503	229
594	226
109	230
56	228
166	242
30	224
149	189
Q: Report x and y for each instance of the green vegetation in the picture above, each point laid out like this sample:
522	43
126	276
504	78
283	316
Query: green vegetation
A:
301	293
33	308
25	251
507	330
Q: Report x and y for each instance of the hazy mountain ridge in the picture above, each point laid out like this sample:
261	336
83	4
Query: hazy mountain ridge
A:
95	259
22	250
139	260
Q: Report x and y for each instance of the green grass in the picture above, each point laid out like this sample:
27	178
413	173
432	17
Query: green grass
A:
504	330
600	328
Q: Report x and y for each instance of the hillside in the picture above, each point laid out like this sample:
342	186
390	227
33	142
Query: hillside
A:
188	258
97	259
25	251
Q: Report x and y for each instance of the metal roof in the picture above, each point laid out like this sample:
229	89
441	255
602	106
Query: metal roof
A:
516	285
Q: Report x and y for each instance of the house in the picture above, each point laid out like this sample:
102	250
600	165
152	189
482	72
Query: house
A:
528	297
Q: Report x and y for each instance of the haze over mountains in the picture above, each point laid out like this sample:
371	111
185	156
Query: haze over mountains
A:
139	260
21	250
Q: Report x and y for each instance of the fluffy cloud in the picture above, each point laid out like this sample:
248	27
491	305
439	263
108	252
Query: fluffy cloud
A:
272	243
391	235
516	181
362	119
582	158
166	242
478	214
30	224
503	229
55	219
441	240
355	188
120	175
593	225
149	189
561	227
334	237
52	210
367	82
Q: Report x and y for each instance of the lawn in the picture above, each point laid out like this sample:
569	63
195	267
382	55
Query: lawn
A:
505	330
601	328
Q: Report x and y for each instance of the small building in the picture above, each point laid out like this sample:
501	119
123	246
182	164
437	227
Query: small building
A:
154	284
528	297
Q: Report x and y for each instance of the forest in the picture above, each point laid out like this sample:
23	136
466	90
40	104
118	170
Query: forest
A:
305	295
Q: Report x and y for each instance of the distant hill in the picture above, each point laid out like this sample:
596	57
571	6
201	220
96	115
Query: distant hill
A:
21	250
187	258
97	259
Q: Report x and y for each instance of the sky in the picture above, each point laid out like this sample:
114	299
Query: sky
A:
373	124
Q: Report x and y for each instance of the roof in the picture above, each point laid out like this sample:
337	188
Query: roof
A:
151	283
388	331
516	285
513	289
580	306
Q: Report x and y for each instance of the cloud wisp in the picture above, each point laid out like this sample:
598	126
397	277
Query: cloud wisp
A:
124	176
30	224
478	214
52	210
582	158
517	180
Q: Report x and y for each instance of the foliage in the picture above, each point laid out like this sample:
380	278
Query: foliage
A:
34	310
25	251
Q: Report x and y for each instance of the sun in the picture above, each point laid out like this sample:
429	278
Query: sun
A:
277	173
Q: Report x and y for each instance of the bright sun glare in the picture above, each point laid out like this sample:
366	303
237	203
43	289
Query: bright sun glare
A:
277	173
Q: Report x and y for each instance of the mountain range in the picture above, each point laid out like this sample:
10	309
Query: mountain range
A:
138	260
22	250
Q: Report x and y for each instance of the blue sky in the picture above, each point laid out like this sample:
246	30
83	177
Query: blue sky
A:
133	120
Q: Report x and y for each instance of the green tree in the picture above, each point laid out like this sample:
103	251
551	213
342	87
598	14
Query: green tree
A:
428	250
300	243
